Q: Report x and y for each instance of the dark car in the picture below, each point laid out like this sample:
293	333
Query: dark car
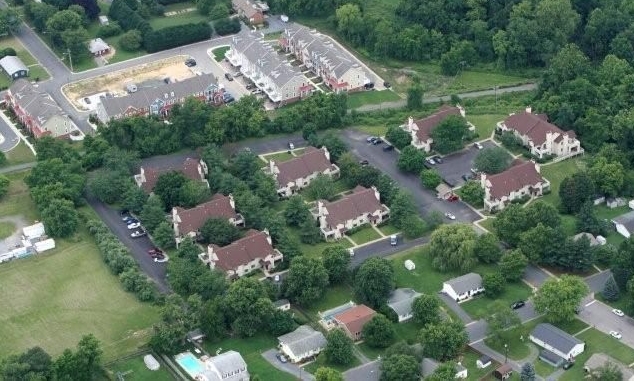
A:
190	62
387	85
388	147
229	76
364	162
249	86
377	141
466	177
369	86
568	365
518	304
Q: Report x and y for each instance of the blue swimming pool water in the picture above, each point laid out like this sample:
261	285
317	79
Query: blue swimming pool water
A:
190	364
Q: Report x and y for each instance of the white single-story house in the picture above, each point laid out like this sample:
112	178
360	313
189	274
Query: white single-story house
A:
463	287
98	47
624	224
400	301
558	345
302	344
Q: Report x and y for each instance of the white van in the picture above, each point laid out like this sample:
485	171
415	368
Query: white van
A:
393	240
351	251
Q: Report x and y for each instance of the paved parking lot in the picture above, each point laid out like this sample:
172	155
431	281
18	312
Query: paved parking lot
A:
454	166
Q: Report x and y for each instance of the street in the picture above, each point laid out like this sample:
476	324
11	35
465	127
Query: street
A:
8	138
599	315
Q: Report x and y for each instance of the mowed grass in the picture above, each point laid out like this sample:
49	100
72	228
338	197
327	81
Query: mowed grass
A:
6	229
372	130
219	53
485	124
20	154
121	54
35	70
365	235
361	98
556	173
481	306
278	157
135	370
182	19
333	297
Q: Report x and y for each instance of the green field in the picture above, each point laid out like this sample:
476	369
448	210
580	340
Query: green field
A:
135	370
182	19
388	229
278	157
120	54
485	124
555	173
6	229
365	235
333	297
219	53
361	98
315	250
480	306
20	154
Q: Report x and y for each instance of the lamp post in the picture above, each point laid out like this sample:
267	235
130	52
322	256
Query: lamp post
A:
506	353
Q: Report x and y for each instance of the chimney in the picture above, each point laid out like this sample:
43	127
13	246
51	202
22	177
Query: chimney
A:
376	193
410	122
268	236
529	110
326	153
320	208
232	202
272	167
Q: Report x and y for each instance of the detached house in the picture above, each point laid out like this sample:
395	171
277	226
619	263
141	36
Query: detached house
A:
353	320
193	169
541	137
187	222
520	180
361	207
302	344
253	251
400	301
463	287
227	366
251	11
558	346
98	47
297	173
421	129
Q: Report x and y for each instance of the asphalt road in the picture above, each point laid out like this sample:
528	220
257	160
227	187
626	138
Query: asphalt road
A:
9	138
600	316
535	275
383	248
597	281
287	367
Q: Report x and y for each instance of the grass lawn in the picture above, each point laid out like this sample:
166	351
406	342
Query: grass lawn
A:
364	235
372	130
321	361
603	212
6	229
485	124
35	70
361	98
480	306
19	155
182	19
280	156
542	368
219	53
388	229
180	6
135	370
555	173
316	249
469	359
488	224
121	54
369	352
251	350
334	296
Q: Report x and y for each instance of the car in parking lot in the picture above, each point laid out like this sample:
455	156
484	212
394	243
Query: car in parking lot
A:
438	159
618	312
190	62
466	177
227	97
129	219
155	251
249	86
518	304
138	233
371	139
453	198
477	145
377	141
229	76
430	160
291	146
256	91
237	74
450	216
134	225
387	85
388	147
364	162
617	335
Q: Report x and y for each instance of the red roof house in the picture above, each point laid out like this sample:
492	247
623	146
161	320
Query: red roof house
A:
191	168
353	320
519	181
421	129
187	222
297	173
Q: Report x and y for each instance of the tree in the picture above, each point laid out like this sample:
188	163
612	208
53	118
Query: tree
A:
445	371
398	137
379	332
333	142
4	185
3	159
40	13
400	368
321	188
575	255
449	134
296	211
374	281
60	22
153	213
611	290
89	354
493	284
541	243
576	190
34	364
492	160
487	248
622	264
415	95
444	340
247	305
426	309
60	218
309	232
430	178
131	40
452	248
306	281
528	372
328	374
512	265
411	160
219	11
336	260
219	231
133	199
472	193
413	226
10	21
339	348
588	222
280	323
606	372
608	176
559	298
502	319
109	186
163	235
168	188
402	206
193	193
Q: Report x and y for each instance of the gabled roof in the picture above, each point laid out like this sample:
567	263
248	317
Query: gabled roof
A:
427	124
228	362
312	160
513	179
191	220
555	337
254	245
535	126
189	169
401	300
302	340
362	201
249	8
464	283
627	220
12	64
97	45
39	105
355	318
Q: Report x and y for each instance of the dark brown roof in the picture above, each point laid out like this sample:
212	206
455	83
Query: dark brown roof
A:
311	161
535	126
254	245
355	318
189	169
426	125
193	219
361	201
514	178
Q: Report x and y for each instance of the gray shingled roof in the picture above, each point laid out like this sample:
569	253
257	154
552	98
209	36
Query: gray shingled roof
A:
144	97
465	283
555	337
38	104
401	300
281	302
97	45
626	220
303	339
228	362
12	64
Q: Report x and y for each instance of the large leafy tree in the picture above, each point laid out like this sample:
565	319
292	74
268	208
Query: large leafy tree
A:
559	298
575	190
60	218
411	160
34	364
487	248
515	220
306	281
430	178
374	281
219	231
443	341
493	284
589	222
248	306
336	261
328	374
379	332
339	347
296	211
513	264
398	137
321	188
472	193
168	188
493	160
502	317
622	264
449	135
153	213
426	309
400	367
452	248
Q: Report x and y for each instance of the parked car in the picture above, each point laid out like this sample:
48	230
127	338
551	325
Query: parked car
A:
377	141
124	212
229	76
388	147
568	365
387	85
87	100
369	86
282	358
134	225
249	86
228	98
438	159
450	216
393	240
618	312
364	162
371	139
256	91
466	177
453	198
129	220
616	335
291	146
190	62
430	160
138	233
237	74
155	251
477	145
518	304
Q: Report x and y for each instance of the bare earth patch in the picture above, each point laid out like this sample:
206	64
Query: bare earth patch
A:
115	82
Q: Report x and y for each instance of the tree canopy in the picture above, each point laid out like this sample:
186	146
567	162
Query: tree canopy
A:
493	160
452	248
374	281
560	298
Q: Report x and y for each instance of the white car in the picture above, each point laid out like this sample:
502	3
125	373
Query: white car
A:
138	233
431	161
616	335
478	145
618	312
450	216
134	225
370	139
291	146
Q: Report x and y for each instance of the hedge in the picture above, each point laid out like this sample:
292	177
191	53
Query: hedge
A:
128	18
174	36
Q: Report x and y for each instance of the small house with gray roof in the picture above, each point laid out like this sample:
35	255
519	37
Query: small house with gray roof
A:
401	301
624	224
302	344
463	287
227	366
14	67
558	346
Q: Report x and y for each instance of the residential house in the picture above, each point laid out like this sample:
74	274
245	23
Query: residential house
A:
463	287
519	181
159	100
483	362
421	129
323	56
98	47
14	67
327	318
282	304
252	11
361	207
504	372
400	301
558	346
268	70
195	336
38	112
353	320
192	169
598	360
187	222
624	224
252	252
297	173
541	137
227	366
302	344
428	366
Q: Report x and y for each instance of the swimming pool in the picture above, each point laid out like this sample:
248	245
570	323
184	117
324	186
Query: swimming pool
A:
190	364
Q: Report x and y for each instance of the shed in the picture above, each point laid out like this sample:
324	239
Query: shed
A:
195	335
624	224
483	362
410	265
103	20
14	67
151	362
503	372
34	231
44	245
98	47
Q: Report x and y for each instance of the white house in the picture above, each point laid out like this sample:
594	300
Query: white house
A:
463	287
227	366
361	207
421	129
98	47
400	301
624	224
428	366
556	342
541	137
302	344
518	181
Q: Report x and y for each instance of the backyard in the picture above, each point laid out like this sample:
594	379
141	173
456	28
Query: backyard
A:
555	173
364	235
485	124
134	369
481	306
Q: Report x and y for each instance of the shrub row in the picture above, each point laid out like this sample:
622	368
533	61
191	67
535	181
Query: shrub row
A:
174	36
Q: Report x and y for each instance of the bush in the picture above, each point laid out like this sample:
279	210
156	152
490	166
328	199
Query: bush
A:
227	26
7	52
510	141
398	137
179	35
127	17
219	11
112	29
131	40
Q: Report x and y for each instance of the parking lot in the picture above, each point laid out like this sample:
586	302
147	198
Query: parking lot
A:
454	166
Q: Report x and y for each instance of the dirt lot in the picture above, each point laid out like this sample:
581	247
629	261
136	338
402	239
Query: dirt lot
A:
115	82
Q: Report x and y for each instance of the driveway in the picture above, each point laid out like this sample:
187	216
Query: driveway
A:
599	315
596	282
455	165
535	275
293	369
138	246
